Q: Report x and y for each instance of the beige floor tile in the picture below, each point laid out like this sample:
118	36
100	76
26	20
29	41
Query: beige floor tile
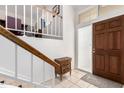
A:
74	86
51	83
73	73
14	82
2	78
73	79
27	86
59	86
83	73
92	86
64	77
79	71
123	86
78	75
66	83
83	84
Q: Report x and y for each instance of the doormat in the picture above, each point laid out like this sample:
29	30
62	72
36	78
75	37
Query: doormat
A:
100	82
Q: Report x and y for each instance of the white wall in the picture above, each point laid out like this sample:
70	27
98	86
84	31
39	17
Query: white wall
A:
51	48
85	48
68	28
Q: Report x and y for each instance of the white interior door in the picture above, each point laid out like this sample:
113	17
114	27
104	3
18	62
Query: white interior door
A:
85	48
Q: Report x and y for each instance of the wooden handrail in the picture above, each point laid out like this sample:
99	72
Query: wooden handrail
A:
27	47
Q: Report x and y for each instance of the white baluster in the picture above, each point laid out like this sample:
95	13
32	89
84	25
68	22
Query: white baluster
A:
55	26
51	25
16	17
31	67
44	73
37	20
24	18
46	17
16	61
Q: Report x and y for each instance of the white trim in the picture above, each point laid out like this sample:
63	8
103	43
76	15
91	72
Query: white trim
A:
20	77
6	72
19	30
11	73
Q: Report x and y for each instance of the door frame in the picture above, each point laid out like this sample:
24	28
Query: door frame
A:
76	43
99	18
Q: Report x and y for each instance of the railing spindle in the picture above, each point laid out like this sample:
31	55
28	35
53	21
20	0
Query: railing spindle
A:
31	68
24	19
16	61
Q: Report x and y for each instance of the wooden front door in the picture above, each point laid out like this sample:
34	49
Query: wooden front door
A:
108	48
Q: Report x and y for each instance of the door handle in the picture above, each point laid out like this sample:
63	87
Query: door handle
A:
93	51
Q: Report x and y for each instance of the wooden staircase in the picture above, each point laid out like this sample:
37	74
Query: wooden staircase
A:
7	34
13	38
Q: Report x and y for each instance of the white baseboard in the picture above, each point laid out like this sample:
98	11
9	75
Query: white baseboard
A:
11	74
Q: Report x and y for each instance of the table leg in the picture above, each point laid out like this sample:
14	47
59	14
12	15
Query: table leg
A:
61	77
70	72
55	74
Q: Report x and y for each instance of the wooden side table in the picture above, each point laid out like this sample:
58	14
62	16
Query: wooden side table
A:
65	66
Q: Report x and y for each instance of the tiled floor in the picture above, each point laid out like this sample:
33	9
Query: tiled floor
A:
73	81
13	82
68	81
